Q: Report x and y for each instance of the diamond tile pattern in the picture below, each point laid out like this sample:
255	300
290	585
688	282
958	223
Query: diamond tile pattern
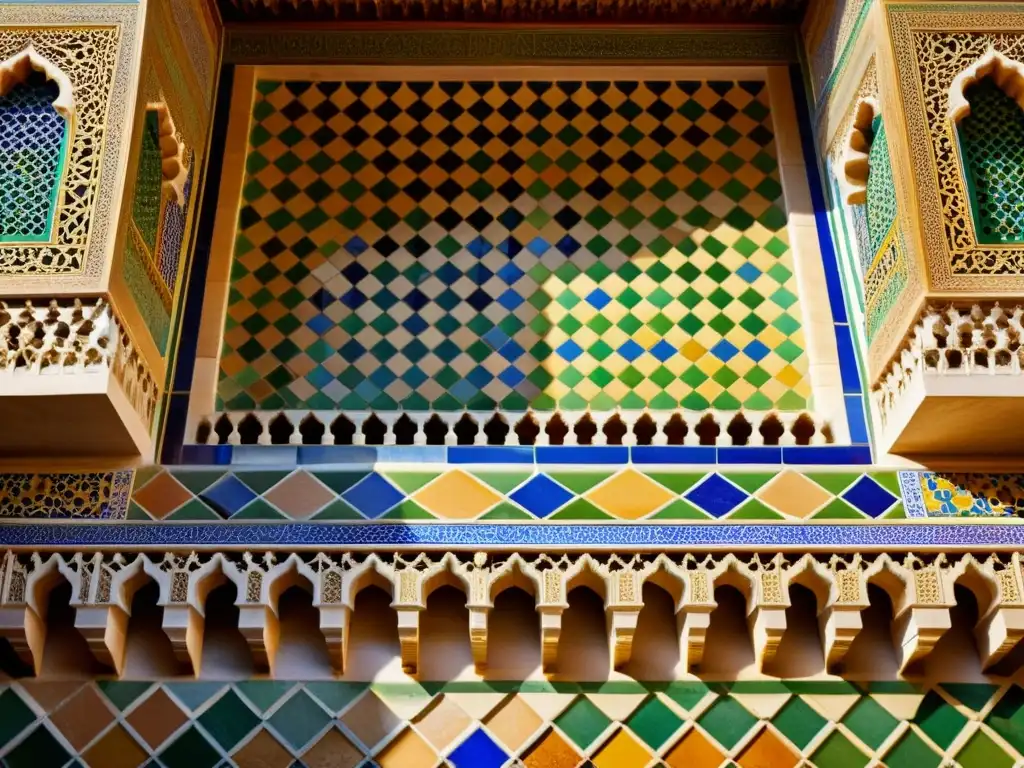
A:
512	244
457	494
298	724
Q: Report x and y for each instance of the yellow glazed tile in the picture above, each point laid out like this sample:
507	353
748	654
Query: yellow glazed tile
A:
630	495
622	751
793	494
456	495
514	723
408	750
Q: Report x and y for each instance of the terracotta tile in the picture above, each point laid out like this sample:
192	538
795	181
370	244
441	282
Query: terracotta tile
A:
115	750
262	751
442	723
162	495
332	751
408	750
49	695
156	718
513	723
552	751
767	751
82	717
622	751
793	494
299	496
694	750
370	720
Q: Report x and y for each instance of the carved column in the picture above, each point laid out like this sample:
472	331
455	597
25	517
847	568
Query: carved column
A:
551	606
767	618
408	603
920	625
999	631
840	622
623	607
698	603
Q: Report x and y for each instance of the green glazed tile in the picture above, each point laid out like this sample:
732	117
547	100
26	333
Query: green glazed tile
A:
336	695
15	716
258	509
299	719
122	693
837	509
727	721
982	752
798	722
654	722
939	719
337	510
39	748
837	751
579	482
1007	717
410	482
680	509
229	720
263	693
580	509
503	482
871	723
507	511
190	750
582	722
911	752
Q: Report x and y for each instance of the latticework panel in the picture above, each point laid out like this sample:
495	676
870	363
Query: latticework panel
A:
32	146
992	142
513	244
881	194
172	235
149	183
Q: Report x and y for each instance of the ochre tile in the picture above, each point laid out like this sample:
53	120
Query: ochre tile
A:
694	750
793	494
551	751
82	717
513	723
456	495
407	750
767	751
49	695
116	749
262	751
370	720
156	718
630	495
442	723
332	751
622	751
161	495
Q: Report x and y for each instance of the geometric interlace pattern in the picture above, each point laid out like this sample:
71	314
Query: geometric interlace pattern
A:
881	192
31	141
992	140
512	244
626	724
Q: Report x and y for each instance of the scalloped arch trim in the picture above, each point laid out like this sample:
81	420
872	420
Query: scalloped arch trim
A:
172	151
1005	72
17	69
858	144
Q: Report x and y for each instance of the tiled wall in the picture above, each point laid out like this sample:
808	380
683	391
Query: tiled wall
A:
512	244
269	724
524	494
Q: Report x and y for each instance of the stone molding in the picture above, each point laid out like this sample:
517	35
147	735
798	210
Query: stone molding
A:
921	588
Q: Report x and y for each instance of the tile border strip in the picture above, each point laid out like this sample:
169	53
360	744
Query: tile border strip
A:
379	46
773	537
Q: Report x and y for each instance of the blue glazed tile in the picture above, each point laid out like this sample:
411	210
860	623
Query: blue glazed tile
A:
857	420
541	495
338	454
869	497
673	454
716	495
848	368
273	455
413	453
478	751
766	454
490	454
373	495
174	429
826	454
582	454
417	536
228	495
206	454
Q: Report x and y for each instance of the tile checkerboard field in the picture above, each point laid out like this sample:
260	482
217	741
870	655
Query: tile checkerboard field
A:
511	244
275	724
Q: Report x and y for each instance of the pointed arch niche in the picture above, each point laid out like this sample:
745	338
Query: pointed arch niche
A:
867	180
157	227
986	106
36	122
